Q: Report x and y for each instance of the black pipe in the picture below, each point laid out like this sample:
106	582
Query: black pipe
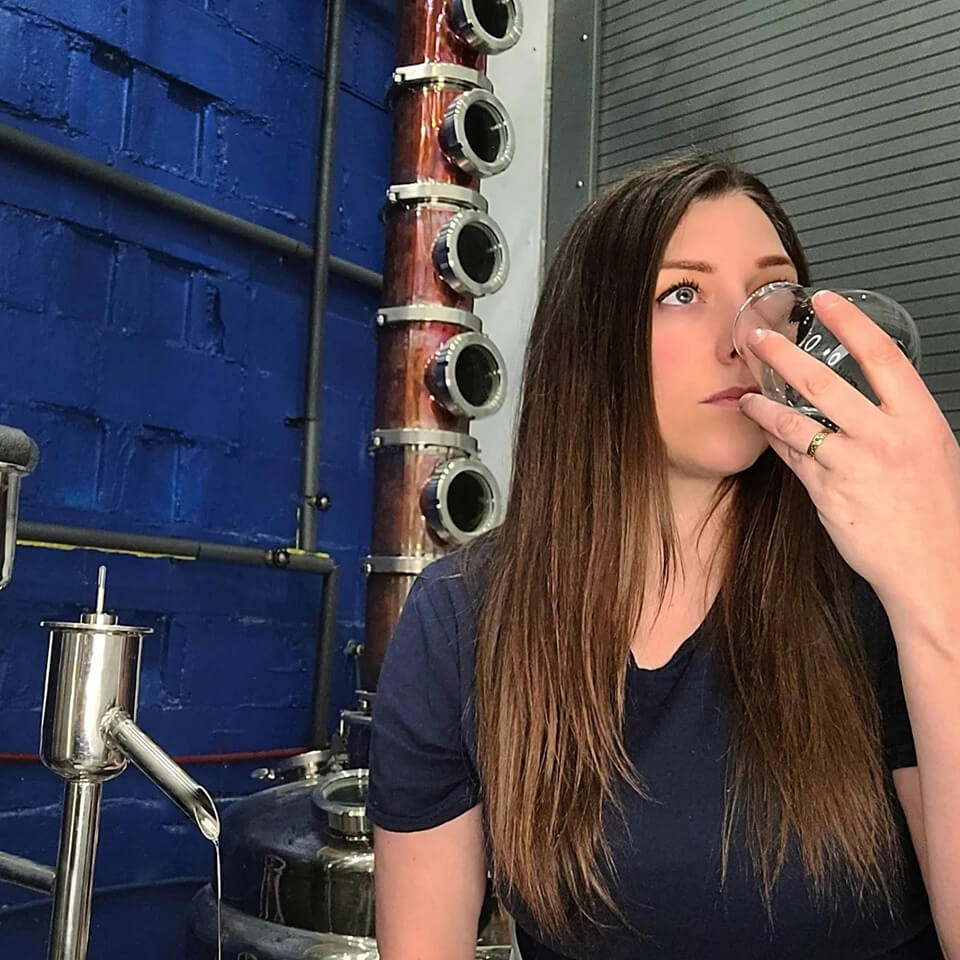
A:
101	893
323	673
172	548
27	873
56	536
190	209
307	533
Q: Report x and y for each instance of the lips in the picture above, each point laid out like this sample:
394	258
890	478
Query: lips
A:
732	393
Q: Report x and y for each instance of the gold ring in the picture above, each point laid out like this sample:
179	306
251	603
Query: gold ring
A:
818	438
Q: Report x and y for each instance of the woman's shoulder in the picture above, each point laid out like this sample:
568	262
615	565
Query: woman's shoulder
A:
455	584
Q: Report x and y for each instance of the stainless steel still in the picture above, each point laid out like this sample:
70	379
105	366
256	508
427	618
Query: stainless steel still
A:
298	873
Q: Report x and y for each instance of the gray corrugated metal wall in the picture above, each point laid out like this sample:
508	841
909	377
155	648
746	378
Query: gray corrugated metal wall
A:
849	111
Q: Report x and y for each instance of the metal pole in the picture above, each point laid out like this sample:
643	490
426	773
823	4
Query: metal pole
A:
73	888
170	200
307	533
319	735
26	873
55	536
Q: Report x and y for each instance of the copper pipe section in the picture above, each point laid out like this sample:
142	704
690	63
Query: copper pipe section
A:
409	275
400	474
386	593
418	114
457	31
426	35
458	499
401	399
471	126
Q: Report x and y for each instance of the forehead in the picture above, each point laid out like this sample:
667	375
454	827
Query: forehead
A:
724	228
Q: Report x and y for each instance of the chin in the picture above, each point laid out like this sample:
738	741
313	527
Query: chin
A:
722	454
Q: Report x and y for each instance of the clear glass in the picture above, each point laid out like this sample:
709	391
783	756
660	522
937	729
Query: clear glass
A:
788	309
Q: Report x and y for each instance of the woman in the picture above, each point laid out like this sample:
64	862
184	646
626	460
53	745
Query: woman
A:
662	702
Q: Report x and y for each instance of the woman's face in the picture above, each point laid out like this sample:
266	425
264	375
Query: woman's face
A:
722	250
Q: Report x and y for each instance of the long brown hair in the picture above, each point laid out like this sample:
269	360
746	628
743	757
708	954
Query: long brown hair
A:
560	602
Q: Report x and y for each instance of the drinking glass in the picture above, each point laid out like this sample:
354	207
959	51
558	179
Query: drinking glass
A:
788	309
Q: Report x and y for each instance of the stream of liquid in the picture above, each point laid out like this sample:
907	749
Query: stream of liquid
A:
216	850
207	819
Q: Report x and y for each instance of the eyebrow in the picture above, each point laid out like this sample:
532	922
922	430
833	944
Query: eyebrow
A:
700	266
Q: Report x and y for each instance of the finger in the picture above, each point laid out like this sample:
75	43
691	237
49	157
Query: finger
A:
886	367
840	402
803	466
792	429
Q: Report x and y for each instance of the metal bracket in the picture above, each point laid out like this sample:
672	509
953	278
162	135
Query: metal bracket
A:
418	437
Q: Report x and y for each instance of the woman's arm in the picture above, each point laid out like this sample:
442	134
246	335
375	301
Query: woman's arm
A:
930	667
430	886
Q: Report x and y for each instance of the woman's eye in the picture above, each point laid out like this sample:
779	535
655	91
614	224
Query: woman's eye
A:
684	294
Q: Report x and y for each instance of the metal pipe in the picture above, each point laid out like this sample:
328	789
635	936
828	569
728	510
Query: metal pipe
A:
57	536
323	674
156	764
73	888
307	533
27	873
185	760
188	208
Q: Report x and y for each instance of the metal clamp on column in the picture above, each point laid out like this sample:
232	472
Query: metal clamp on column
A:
442	74
415	437
436	193
429	313
411	565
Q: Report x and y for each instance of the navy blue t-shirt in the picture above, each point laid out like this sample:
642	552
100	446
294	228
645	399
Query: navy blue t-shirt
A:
423	772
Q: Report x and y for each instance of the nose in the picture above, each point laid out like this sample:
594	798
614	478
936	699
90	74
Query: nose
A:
727	309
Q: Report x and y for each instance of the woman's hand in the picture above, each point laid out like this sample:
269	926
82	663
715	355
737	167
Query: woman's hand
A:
887	487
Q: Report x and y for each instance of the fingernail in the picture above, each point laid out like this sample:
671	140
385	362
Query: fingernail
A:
757	334
824	298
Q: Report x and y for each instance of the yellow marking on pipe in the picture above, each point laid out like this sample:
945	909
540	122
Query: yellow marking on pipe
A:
47	545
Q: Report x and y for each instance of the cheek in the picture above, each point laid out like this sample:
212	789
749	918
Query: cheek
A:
667	352
670	362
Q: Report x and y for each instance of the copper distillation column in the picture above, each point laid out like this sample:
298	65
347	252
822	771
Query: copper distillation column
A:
298	855
436	369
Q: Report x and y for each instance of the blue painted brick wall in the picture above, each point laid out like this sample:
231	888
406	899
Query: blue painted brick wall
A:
155	362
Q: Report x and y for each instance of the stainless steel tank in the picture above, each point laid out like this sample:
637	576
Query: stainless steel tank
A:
298	873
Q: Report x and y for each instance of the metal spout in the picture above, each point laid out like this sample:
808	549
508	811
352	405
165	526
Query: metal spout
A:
9	508
181	788
18	458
